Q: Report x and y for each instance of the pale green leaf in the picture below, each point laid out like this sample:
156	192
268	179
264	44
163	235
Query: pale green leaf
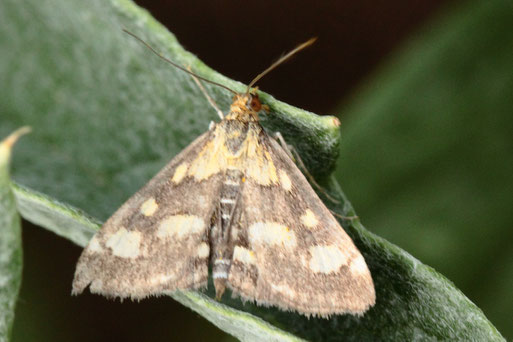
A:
109	115
10	241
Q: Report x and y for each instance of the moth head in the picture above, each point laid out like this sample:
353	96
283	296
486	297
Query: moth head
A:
245	106
253	101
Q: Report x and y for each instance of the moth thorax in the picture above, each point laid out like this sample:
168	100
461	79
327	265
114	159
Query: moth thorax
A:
245	108
235	133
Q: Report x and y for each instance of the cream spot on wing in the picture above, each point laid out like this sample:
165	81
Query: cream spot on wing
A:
271	233
203	250
180	226
284	289
149	207
243	255
261	171
260	167
326	259
211	158
180	173
309	219
285	180
124	243
358	265
161	278
94	245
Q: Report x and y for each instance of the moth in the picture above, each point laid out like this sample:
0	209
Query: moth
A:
235	206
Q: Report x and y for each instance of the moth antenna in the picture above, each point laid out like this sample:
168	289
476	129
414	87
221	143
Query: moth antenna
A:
174	64
280	61
209	99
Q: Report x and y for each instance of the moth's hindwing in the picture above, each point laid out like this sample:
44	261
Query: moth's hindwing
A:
157	241
290	250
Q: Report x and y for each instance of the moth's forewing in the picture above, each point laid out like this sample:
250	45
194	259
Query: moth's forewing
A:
291	252
157	241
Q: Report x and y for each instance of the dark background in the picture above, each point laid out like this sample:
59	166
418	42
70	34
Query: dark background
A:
354	39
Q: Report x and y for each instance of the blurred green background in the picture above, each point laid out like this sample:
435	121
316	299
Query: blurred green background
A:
424	91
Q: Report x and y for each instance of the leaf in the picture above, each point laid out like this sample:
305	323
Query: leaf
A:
110	115
437	123
10	240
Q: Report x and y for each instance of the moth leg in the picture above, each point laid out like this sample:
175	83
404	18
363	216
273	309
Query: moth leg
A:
349	218
209	99
294	156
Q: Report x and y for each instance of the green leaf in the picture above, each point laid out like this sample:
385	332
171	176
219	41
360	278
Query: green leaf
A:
437	124
10	240
110	115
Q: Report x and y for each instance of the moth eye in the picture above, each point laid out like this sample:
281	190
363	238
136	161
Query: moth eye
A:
255	104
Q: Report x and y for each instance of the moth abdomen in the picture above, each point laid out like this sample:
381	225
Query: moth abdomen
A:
221	230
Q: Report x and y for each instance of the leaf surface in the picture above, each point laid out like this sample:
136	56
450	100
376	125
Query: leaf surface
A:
108	115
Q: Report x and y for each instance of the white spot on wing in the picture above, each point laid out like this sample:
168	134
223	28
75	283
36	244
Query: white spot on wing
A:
309	219
358	265
326	259
271	233
149	207
285	180
124	243
203	250
180	173
243	255
94	245
180	226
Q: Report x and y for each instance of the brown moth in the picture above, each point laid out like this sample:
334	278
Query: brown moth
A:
234	200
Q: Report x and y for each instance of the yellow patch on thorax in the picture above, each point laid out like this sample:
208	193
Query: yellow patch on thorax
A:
251	158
